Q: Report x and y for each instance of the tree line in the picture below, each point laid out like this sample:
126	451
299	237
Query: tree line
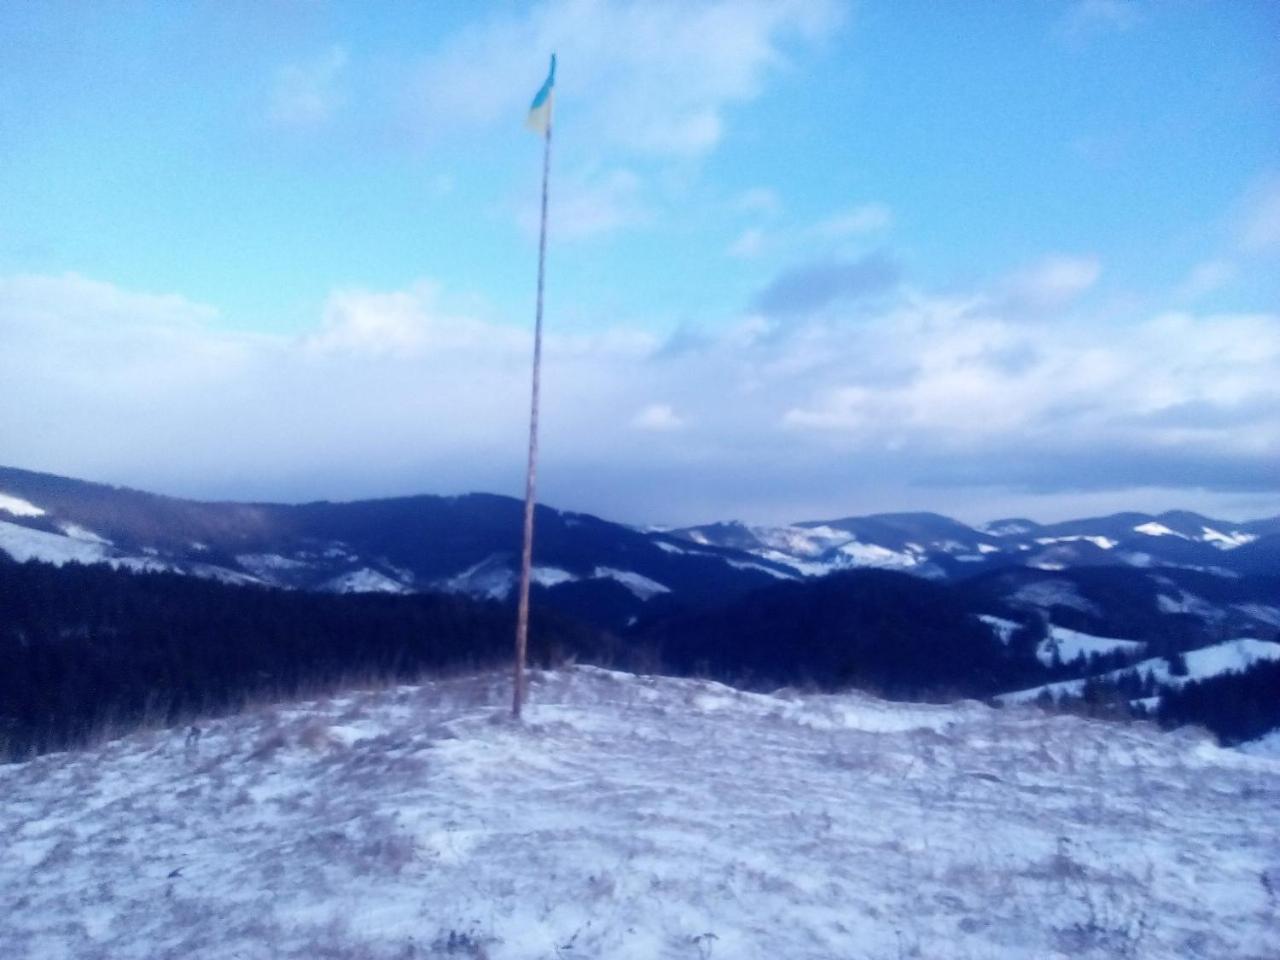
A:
87	649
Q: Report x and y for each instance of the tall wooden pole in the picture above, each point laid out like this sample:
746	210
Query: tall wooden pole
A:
526	555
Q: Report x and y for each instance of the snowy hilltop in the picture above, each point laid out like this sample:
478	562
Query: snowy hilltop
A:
635	818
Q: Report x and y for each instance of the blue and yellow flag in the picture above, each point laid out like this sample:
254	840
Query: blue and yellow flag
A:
539	118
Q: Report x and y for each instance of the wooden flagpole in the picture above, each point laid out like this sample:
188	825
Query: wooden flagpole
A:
526	555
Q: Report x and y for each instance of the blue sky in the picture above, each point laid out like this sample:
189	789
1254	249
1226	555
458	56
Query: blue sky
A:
808	257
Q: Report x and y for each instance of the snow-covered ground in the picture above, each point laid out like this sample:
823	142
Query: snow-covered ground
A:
637	819
1230	656
24	543
1069	644
19	507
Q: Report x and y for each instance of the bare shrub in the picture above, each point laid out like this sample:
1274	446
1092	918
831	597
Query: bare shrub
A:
462	943
316	736
267	746
390	853
59	854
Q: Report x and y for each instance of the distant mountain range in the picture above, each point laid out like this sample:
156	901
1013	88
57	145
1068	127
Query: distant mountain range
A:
605	573
615	575
932	545
1012	605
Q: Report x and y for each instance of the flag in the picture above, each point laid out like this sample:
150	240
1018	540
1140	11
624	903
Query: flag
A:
539	118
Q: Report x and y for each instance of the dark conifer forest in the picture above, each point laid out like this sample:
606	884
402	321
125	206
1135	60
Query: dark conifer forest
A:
1235	706
87	651
891	633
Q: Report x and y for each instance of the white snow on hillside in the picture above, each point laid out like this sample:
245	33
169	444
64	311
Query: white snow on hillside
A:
1229	656
641	819
19	507
263	565
1053	593
1104	543
1260	611
801	542
210	571
550	576
1226	541
1182	601
643	587
771	571
1001	627
1009	528
1154	529
1070	644
23	544
1268	746
491	578
77	532
872	555
364	580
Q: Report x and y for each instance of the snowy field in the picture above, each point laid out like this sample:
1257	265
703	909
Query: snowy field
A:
641	818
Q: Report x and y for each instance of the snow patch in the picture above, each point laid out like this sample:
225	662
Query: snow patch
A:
19	507
640	585
1103	543
491	578
23	544
1229	656
874	555
77	532
1051	593
1260	611
1185	602
1070	644
550	576
747	565
1002	628
1154	529
1268	746
1227	541
1008	529
364	580
801	542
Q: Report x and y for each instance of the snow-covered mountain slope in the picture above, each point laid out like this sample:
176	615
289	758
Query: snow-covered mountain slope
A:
934	545
468	544
608	574
1211	661
641	819
1065	645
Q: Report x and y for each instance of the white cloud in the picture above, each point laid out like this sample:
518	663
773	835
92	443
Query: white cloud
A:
1260	230
306	95
1053	281
591	203
868	218
404	323
657	417
397	391
1085	17
656	76
1205	278
758	201
831	232
750	243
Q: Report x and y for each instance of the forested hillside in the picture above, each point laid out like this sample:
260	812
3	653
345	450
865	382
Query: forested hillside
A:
85	650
